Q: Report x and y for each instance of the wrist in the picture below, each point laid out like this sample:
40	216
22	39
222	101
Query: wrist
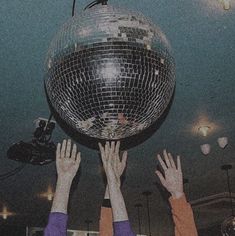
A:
177	195
64	181
112	182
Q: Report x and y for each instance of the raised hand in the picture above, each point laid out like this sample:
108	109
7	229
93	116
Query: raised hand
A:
173	180
114	168
67	161
112	164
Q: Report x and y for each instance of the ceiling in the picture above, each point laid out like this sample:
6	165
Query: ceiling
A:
202	36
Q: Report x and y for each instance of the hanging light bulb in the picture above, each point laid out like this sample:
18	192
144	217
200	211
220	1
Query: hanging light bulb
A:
203	130
228	225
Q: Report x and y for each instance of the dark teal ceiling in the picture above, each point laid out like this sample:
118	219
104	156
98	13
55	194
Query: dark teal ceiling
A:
202	36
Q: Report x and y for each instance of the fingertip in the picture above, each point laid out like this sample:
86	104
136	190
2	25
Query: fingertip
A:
79	156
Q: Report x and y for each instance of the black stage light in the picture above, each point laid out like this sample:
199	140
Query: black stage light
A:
40	150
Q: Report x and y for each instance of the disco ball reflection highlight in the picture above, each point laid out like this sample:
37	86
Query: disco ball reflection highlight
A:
228	227
109	73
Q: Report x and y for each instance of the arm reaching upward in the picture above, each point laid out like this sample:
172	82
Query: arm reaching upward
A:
173	182
67	164
106	217
112	164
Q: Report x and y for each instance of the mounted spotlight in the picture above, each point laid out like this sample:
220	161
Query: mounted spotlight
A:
40	150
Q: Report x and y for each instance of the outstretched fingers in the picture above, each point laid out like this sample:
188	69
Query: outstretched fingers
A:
167	161
107	150
102	151
78	158
117	147
68	149
163	165
62	153
171	160
58	151
124	160
179	164
74	152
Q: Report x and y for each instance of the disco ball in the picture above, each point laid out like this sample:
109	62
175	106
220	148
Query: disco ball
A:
228	227
109	73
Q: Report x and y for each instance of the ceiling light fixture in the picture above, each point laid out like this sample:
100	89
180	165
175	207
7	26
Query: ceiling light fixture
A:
203	130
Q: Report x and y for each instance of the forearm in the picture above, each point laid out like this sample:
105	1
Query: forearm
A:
183	217
61	198
117	201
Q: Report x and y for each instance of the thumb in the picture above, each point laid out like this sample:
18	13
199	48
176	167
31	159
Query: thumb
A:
159	174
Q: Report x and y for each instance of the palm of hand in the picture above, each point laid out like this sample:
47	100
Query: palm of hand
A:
113	166
67	167
173	180
67	162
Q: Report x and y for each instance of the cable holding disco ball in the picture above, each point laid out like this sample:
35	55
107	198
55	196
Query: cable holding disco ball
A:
90	5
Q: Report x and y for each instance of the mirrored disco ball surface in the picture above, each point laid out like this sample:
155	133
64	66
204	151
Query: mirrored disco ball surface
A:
228	227
109	73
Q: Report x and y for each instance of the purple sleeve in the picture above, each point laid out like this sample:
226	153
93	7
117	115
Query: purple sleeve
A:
57	224
122	228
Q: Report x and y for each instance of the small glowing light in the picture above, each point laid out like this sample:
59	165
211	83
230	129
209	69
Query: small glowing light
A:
48	195
5	213
204	130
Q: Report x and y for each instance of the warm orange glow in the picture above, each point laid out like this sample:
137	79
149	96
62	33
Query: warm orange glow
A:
204	127
5	213
49	194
